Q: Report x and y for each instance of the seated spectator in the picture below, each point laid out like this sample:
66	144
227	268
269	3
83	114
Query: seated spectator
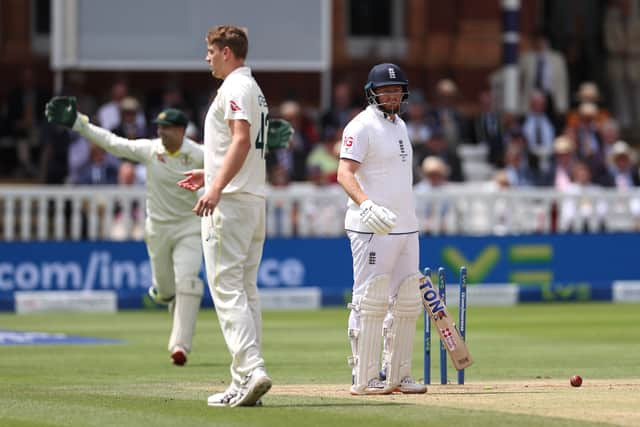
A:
588	92
437	146
564	159
109	113
610	132
294	158
445	115
516	167
322	163
341	110
435	174
588	139
102	168
581	211
622	171
129	127
435	214
128	221
416	120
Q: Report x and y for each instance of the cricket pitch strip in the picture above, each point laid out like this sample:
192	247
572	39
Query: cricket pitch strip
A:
615	402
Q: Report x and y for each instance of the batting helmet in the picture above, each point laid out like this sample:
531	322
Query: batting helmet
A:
385	75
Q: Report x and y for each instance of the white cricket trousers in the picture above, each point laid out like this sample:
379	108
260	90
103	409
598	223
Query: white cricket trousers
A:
374	255
175	253
232	240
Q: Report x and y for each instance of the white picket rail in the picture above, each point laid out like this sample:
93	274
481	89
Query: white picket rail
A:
88	212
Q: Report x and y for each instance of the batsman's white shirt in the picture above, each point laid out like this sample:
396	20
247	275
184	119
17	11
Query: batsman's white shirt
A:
385	174
166	202
239	98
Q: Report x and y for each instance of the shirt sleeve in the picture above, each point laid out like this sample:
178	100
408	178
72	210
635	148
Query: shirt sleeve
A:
138	150
237	102
355	142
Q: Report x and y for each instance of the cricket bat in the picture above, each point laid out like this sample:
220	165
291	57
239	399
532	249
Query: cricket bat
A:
449	334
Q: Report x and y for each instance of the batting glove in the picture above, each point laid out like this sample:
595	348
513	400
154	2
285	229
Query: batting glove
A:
378	218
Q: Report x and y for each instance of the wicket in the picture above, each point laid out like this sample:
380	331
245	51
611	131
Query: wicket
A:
462	326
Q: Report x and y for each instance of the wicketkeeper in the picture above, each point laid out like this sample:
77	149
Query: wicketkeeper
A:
172	232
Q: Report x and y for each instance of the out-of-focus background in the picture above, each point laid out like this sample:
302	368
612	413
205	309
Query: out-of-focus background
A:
523	117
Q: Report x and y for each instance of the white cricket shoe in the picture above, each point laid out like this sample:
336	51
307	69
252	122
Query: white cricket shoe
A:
255	386
409	386
374	386
223	399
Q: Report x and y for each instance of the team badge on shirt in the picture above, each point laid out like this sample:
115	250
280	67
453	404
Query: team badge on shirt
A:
234	106
403	151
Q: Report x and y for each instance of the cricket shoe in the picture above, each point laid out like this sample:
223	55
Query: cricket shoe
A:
409	386
224	398
179	356
254	387
374	386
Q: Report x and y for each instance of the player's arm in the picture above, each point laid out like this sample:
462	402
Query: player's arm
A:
347	169
378	218
231	165
62	110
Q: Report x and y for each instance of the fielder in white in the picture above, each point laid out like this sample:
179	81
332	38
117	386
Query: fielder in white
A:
233	211
172	233
375	170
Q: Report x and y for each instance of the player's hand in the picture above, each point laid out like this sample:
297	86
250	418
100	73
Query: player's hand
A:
194	180
378	218
62	110
279	135
207	203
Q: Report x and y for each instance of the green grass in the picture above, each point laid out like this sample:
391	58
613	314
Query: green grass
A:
133	384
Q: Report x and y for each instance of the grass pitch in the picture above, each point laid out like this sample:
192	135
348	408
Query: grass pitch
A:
523	356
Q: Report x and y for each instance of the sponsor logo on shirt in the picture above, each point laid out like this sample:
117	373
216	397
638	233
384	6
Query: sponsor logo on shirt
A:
160	158
347	141
234	106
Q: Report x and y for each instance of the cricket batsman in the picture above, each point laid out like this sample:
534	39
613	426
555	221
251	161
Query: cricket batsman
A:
376	172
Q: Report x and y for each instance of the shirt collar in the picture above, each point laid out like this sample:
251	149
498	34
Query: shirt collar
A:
381	114
244	70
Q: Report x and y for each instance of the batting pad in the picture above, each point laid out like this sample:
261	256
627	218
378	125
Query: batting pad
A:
400	329
371	308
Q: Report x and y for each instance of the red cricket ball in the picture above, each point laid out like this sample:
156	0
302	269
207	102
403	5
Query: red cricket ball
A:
576	380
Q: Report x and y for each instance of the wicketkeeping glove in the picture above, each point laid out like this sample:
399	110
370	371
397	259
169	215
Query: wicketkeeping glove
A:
280	133
378	218
62	110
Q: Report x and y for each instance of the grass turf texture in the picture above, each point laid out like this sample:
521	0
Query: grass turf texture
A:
523	355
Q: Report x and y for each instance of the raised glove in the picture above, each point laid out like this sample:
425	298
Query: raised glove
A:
378	218
62	110
280	133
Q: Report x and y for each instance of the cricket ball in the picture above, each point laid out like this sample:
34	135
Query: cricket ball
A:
576	380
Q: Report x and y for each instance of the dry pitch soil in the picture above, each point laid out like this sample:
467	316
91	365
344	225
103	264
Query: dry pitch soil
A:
616	402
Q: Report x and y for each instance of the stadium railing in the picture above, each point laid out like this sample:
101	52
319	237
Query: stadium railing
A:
304	210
